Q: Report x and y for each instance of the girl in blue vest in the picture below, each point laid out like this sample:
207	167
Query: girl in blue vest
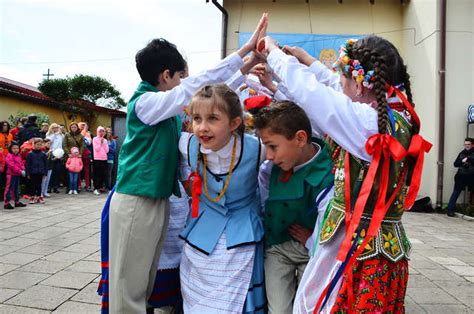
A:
222	261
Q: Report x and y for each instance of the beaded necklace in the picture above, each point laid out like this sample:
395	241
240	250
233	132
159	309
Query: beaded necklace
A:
231	168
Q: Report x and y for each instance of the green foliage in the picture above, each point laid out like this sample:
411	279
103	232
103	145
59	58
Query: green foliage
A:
58	89
41	117
83	87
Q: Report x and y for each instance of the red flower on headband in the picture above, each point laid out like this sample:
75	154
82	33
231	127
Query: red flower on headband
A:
256	102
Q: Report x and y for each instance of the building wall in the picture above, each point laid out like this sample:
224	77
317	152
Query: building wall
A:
420	53
414	29
459	84
11	106
317	17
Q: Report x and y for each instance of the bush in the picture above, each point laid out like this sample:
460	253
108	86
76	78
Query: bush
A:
41	117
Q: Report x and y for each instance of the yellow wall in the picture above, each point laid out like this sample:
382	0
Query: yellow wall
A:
11	106
414	29
317	17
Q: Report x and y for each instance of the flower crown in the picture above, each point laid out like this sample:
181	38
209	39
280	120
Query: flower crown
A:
353	66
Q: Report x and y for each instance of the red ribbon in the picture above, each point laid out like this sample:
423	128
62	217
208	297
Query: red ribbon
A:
392	89
381	147
417	149
196	192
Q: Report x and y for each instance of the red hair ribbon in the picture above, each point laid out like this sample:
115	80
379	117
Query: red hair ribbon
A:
196	188
417	149
257	102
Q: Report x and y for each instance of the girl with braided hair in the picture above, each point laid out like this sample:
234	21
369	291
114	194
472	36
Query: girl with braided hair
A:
360	261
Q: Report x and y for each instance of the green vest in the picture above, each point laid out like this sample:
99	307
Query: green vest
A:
148	159
294	201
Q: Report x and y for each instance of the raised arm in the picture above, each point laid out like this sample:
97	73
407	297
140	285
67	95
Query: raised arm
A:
349	123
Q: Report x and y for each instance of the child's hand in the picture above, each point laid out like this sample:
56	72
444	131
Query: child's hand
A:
250	62
300	54
299	233
23	173
266	45
259	32
265	76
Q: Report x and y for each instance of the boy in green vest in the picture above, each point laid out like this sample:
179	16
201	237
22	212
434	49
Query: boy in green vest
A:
148	162
299	184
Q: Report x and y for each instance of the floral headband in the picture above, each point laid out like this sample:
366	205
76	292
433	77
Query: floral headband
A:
353	66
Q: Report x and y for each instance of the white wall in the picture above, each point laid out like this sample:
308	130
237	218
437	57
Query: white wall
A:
420	49
459	84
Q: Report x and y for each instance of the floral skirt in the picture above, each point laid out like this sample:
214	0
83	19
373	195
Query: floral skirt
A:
379	286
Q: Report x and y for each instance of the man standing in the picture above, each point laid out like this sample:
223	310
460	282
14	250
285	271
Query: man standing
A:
30	130
465	175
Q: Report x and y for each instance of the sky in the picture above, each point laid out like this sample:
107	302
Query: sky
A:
101	37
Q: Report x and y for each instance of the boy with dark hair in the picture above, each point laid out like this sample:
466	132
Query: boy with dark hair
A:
147	166
299	182
36	169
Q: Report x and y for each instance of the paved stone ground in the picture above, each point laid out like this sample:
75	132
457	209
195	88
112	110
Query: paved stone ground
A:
50	260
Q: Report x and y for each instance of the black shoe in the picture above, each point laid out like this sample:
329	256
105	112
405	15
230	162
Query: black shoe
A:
8	206
20	204
450	214
55	191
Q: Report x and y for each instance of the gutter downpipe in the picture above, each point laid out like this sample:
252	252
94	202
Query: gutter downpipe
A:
442	101
225	21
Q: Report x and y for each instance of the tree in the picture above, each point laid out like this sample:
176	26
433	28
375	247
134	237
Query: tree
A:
83	87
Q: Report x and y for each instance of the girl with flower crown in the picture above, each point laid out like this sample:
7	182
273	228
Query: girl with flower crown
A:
360	263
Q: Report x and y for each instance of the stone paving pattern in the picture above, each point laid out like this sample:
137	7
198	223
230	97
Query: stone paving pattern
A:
50	259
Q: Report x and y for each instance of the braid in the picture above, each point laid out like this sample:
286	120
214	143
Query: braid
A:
380	92
371	59
407	84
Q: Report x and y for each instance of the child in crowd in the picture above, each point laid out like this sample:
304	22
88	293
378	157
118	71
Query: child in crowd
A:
49	154
15	170
110	157
74	166
36	169
56	147
299	182
86	156
147	166
374	123
222	262
101	148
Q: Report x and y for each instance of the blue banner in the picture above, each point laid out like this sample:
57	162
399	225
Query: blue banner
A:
323	47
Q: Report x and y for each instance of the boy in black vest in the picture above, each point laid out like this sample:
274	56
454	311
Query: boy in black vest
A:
147	165
299	182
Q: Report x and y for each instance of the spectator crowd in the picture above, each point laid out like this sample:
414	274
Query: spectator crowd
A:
37	161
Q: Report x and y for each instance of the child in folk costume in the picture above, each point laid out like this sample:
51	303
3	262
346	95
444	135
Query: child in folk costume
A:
300	185
222	262
147	166
166	291
361	261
